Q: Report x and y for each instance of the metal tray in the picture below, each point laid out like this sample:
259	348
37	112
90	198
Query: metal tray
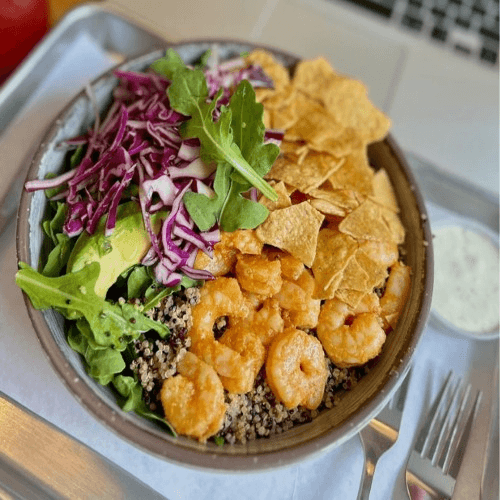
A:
452	199
122	38
118	37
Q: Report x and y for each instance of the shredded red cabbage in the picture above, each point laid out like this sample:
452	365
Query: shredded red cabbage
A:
138	143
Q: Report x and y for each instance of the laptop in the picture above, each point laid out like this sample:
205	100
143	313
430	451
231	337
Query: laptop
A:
431	65
437	80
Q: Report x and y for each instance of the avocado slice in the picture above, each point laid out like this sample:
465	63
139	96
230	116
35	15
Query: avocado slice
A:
116	253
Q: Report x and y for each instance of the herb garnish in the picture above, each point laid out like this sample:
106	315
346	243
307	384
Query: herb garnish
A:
73	295
235	142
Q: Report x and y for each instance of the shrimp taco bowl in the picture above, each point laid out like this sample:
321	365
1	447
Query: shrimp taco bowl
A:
291	259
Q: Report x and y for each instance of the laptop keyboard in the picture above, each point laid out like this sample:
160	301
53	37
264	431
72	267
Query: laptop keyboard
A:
469	27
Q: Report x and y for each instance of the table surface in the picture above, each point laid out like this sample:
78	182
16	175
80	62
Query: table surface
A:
28	378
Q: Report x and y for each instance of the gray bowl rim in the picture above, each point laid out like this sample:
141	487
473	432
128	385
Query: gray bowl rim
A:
217	460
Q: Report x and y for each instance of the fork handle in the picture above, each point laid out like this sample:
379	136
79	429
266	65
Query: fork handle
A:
366	479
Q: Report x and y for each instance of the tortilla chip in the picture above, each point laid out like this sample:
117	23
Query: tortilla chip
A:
366	222
312	76
283	200
363	274
351	297
345	200
321	131
262	93
383	192
291	267
395	226
276	71
282	98
290	148
327	208
333	253
283	118
330	291
355	277
348	103
308	175
354	174
267	118
293	229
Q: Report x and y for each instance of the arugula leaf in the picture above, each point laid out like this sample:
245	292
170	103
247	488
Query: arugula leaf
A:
248	130
59	255
131	400
77	156
73	296
219	440
207	211
241	213
54	226
138	282
102	362
203	61
188	94
228	206
130	389
153	299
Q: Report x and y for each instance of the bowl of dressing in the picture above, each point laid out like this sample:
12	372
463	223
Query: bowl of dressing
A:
465	300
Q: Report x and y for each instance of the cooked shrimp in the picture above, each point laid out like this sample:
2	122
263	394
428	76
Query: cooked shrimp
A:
226	251
220	297
244	240
291	296
267	321
252	355
295	297
296	369
369	303
256	274
193	400
291	267
396	293
383	252
308	317
349	338
221	263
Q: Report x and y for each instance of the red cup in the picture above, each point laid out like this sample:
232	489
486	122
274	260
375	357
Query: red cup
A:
22	24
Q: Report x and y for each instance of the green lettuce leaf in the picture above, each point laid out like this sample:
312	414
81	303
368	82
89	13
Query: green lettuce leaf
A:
103	363
73	296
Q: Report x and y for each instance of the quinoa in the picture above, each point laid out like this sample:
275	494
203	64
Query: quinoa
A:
257	414
254	415
157	360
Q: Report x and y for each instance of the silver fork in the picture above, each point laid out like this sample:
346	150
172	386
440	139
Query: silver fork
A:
433	463
380	434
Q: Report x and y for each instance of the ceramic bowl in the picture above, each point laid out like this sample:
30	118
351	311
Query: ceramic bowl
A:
332	427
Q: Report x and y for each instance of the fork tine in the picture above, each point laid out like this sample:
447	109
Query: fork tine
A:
462	436
445	438
427	432
455	434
